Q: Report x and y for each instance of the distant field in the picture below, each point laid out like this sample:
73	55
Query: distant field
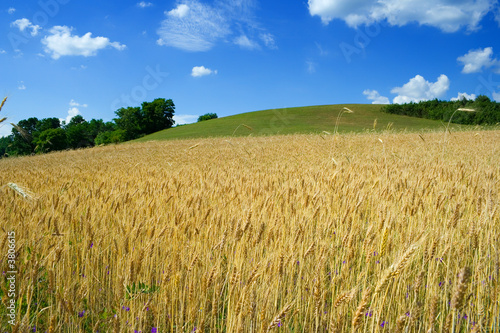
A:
376	232
299	120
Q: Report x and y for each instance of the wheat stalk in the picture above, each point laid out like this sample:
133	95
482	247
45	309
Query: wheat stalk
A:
279	317
21	191
356	320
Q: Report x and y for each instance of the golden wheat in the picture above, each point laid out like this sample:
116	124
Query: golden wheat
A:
275	236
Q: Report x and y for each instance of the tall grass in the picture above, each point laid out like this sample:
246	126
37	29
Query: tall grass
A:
157	237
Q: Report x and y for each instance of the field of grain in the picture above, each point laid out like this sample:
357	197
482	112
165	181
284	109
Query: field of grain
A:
304	233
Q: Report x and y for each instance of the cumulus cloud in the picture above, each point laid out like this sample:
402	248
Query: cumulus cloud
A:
25	24
244	42
496	96
180	11
195	26
11	10
2	51
199	71
21	86
375	97
464	95
73	103
418	89
61	42
475	60
73	111
449	16
181	119
144	4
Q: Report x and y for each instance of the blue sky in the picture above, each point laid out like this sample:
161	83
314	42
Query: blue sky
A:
59	58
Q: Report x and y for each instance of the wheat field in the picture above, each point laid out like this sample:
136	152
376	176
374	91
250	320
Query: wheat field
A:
375	232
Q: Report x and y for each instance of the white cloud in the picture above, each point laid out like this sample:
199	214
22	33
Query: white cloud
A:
181	11
374	96
11	10
199	71
73	110
464	95
2	51
418	89
195	26
21	86
74	103
181	119
268	40
447	15
144	4
62	43
475	60
24	23
246	43
496	96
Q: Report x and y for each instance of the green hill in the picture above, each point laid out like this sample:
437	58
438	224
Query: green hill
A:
310	119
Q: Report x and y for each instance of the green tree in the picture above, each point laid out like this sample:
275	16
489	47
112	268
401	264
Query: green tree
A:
47	123
22	142
51	140
96	126
149	118
157	115
78	119
78	135
110	137
130	121
5	144
207	116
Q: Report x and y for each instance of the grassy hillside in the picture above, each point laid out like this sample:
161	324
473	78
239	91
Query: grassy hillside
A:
304	120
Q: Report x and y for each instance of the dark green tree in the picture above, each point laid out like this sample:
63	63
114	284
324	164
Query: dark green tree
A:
116	136
96	126
157	115
47	123
130	121
51	140
22	143
5	144
78	135
78	119
207	116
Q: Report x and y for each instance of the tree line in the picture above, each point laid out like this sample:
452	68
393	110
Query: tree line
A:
35	135
485	111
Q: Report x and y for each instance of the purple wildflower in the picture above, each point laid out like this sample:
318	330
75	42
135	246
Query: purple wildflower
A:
81	314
